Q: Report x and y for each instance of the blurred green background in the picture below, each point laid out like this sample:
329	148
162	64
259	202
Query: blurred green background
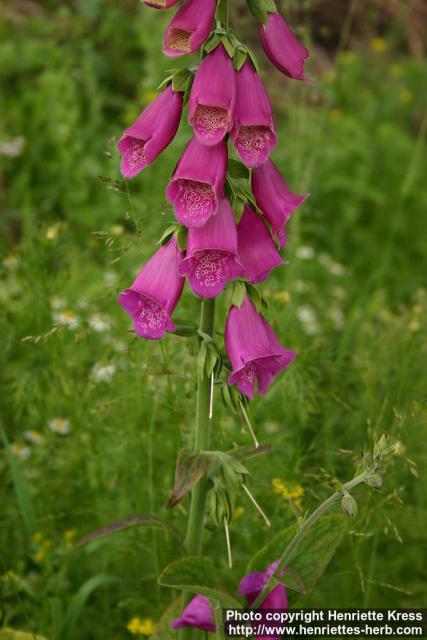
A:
95	417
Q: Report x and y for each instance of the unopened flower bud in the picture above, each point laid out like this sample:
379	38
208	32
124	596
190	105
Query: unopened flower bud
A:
375	481
349	506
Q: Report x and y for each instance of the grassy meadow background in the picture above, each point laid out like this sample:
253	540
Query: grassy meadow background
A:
94	417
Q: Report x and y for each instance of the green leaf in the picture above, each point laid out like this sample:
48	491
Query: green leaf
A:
239	58
226	397
228	45
25	503
239	293
185	328
181	237
11	634
180	78
79	600
247	451
141	520
237	170
190	468
167	234
196	574
260	9
311	557
163	629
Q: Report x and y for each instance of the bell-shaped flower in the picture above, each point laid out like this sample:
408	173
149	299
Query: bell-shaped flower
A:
255	352
198	182
151	133
282	47
212	260
253	132
253	584
160	4
212	98
274	198
152	298
189	28
256	248
197	614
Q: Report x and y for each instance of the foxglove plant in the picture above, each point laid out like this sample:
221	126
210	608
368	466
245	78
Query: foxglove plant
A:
230	215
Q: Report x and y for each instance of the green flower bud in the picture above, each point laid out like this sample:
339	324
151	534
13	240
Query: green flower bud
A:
375	481
349	506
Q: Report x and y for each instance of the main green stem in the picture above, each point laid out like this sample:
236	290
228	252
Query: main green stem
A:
193	541
294	543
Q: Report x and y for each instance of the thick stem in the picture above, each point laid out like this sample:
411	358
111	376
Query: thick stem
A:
222	12
294	543
193	540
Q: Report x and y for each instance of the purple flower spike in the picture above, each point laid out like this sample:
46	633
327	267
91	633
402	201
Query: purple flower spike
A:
160	4
212	98
282	48
255	352
257	252
274	198
253	584
198	181
151	133
189	28
152	298
253	133
197	614
212	258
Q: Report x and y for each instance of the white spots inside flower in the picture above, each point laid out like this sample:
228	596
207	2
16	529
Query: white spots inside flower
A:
211	267
151	316
103	373
253	142
61	426
209	120
135	155
196	198
179	40
249	373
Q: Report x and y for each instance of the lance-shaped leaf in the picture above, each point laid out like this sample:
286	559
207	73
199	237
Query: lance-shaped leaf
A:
247	451
190	468
311	557
141	520
196	574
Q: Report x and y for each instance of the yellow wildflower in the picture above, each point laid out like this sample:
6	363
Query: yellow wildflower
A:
379	45
238	512
38	537
329	76
406	96
395	70
292	494
39	557
348	57
144	627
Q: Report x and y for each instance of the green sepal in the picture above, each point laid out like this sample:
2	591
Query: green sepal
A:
256	298
181	237
237	170
185	328
261	8
240	57
180	79
212	43
167	234
228	45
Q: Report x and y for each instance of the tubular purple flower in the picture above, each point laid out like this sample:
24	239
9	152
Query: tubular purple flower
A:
253	584
255	352
196	614
198	182
256	248
213	97
253	133
160	4
282	47
212	258
189	28
151	133
152	298
274	198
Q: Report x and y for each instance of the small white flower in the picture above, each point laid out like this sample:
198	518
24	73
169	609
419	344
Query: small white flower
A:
99	323
337	317
10	262
58	303
103	373
301	286
20	450
35	437
305	253
307	316
110	277
336	268
67	318
61	426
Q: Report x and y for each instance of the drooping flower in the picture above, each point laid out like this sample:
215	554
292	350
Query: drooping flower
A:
274	198
282	47
151	133
196	614
152	298
253	584
212	260
257	252
255	352
160	4
253	133
213	97
189	27
198	182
